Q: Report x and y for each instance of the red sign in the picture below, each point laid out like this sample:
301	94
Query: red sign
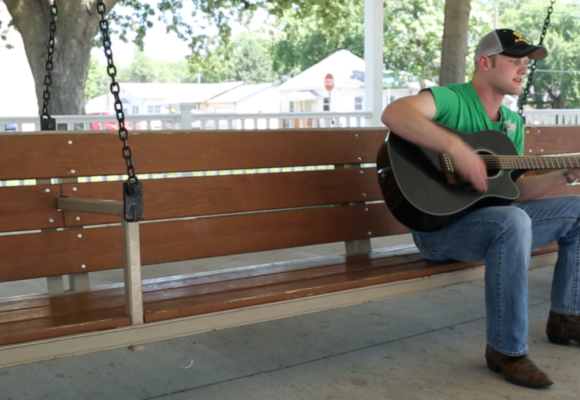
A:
329	82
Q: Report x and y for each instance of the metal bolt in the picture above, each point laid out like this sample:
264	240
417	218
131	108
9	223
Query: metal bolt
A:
78	218
530	150
70	142
541	150
356	135
360	158
366	210
51	220
538	131
364	195
527	131
75	188
72	171
369	233
47	190
83	266
361	172
80	235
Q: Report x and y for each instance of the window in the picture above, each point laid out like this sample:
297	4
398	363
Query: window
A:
291	106
326	106
135	109
358	103
153	109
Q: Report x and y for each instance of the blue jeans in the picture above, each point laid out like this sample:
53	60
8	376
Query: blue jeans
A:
503	237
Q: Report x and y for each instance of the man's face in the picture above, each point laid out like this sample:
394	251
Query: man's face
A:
506	74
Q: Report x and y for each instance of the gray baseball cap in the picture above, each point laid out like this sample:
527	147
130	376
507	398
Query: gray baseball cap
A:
509	43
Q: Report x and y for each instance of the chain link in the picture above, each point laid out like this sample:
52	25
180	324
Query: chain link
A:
49	64
115	91
524	96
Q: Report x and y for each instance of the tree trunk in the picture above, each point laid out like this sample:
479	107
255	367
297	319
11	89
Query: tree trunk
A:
454	50
77	25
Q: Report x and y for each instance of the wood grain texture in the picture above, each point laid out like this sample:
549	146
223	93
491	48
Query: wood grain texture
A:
29	207
50	155
64	252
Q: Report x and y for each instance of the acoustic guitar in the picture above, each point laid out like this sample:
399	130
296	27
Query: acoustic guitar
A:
422	189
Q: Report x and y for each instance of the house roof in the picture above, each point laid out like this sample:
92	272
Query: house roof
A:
178	92
346	68
240	93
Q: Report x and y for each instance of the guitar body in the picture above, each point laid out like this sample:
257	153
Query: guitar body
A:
416	189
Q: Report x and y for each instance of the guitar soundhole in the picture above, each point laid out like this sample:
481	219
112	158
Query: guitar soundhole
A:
491	172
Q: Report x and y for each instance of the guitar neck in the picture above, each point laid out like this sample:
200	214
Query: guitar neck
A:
530	162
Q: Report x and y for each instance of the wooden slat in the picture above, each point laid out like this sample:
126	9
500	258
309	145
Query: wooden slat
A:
296	284
212	195
50	155
58	253
29	208
43	328
554	139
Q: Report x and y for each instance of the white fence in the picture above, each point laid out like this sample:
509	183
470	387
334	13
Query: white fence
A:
187	119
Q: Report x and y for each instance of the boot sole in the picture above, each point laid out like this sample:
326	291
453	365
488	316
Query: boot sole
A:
559	340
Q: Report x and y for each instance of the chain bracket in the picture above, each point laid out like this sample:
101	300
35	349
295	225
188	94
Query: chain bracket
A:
524	96
132	189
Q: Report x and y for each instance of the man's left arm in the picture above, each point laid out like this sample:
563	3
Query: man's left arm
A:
532	187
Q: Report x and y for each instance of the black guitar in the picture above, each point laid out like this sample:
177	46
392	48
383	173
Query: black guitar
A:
423	191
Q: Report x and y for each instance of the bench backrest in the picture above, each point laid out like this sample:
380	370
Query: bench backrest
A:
237	192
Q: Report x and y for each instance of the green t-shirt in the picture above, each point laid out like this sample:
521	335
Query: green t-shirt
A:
459	107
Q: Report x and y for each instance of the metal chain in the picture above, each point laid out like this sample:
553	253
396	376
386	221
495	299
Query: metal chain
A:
49	64
115	91
524	96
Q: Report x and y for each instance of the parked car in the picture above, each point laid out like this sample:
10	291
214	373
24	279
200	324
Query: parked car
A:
112	125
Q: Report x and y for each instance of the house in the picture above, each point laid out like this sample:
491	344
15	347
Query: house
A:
159	98
306	91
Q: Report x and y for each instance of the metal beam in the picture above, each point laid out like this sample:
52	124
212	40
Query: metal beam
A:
374	60
111	207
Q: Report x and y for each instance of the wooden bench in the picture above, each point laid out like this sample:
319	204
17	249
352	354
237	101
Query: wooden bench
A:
222	193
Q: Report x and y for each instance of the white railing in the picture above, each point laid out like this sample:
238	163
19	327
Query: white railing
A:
188	119
552	117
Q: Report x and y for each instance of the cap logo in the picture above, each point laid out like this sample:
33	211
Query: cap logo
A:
519	38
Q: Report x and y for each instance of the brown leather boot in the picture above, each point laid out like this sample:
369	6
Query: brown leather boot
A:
518	370
562	328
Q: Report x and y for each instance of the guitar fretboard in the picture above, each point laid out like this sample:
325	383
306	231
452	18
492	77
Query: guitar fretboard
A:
530	163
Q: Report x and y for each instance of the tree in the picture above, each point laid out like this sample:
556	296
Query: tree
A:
97	80
251	60
78	23
454	51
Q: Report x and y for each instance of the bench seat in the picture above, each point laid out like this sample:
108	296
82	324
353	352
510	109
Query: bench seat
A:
36	318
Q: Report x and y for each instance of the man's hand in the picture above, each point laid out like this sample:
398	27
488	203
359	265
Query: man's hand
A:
469	165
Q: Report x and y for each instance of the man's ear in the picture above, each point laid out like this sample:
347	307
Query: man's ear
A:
484	63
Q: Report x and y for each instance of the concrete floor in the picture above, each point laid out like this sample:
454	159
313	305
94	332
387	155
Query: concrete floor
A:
423	346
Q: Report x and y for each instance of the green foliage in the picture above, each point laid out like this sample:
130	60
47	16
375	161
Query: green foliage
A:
97	80
556	84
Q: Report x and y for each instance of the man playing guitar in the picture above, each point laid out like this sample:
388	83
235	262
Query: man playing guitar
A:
502	236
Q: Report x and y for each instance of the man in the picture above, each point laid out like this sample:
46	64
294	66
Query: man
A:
501	236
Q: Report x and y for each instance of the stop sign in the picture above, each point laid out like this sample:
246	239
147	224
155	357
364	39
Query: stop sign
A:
329	82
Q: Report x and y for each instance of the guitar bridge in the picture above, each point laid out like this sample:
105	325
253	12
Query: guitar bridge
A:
447	167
